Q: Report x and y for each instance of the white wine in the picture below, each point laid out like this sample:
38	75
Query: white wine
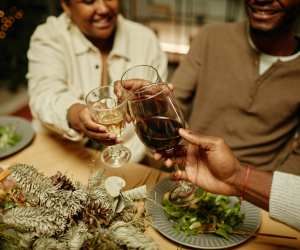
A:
113	120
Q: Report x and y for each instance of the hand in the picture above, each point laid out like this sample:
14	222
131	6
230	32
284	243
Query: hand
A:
132	85
210	164
135	84
80	119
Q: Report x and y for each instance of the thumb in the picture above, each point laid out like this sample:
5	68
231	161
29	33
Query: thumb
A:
205	142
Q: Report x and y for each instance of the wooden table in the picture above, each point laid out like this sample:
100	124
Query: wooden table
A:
50	154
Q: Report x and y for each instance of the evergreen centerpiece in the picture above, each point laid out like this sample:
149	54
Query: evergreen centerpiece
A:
39	212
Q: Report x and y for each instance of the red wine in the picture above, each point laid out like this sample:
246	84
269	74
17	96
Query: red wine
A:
158	132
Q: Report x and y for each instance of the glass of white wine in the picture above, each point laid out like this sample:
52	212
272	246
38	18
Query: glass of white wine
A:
109	108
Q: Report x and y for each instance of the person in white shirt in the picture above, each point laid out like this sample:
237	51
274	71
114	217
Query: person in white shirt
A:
89	45
211	164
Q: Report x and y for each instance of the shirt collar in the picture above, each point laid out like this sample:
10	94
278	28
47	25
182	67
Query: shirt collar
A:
82	44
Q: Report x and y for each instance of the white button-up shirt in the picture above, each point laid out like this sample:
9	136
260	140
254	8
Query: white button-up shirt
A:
64	66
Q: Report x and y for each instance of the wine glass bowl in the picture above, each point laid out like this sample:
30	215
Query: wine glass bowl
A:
156	116
141	74
109	109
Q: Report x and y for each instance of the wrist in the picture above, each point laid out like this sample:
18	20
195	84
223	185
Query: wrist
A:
236	180
241	180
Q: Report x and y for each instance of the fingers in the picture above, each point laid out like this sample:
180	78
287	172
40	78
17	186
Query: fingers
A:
205	142
180	175
94	130
167	162
134	84
88	123
171	87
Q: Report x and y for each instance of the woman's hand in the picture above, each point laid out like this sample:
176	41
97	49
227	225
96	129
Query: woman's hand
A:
81	120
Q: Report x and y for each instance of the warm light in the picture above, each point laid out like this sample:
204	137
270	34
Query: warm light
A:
12	19
4	19
8	21
19	14
2	34
175	48
7	24
3	28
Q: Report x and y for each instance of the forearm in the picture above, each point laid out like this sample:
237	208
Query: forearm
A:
254	186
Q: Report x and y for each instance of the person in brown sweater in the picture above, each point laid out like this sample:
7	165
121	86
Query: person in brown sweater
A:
241	82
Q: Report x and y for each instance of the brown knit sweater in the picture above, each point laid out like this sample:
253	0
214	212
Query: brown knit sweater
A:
222	94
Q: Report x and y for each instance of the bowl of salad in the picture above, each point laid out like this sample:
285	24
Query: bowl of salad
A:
195	218
15	134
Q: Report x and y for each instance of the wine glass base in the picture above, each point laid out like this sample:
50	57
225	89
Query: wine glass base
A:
115	156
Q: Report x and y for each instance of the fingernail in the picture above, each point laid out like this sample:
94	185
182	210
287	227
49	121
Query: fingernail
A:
119	140
112	136
101	129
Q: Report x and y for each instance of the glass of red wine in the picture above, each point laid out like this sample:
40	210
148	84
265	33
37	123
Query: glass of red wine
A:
157	117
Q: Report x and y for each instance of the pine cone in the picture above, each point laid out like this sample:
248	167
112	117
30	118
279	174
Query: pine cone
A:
62	182
94	213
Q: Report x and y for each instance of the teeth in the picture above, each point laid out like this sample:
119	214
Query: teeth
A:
263	12
101	23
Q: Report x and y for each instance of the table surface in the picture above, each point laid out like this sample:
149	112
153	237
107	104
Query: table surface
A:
50	154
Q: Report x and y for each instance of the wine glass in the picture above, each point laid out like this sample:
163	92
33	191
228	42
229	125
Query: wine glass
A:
141	73
157	119
109	108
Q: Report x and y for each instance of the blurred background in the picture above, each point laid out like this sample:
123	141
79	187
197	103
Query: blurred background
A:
174	21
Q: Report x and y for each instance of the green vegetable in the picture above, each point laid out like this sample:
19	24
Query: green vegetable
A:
205	213
8	137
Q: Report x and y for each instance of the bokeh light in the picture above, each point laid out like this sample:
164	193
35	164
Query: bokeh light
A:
7	21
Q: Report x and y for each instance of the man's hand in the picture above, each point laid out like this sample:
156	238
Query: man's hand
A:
209	164
81	120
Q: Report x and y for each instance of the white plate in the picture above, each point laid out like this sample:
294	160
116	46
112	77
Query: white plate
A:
23	128
251	223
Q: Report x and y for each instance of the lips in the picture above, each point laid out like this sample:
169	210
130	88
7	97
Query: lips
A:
263	12
103	22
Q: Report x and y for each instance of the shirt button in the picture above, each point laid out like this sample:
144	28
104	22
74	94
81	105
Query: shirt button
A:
96	66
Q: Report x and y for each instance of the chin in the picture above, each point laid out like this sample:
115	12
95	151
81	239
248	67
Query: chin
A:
263	27
103	34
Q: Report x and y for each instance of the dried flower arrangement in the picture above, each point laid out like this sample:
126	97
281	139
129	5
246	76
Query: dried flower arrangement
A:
41	212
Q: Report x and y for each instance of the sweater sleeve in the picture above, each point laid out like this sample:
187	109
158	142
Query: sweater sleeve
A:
50	97
285	199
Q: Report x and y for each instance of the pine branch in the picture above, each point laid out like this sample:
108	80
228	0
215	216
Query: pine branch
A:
40	191
35	219
76	236
49	244
30	181
126	234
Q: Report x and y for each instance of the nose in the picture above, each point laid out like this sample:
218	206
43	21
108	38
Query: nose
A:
101	6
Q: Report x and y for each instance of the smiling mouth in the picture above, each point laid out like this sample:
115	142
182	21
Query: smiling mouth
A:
103	22
263	13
